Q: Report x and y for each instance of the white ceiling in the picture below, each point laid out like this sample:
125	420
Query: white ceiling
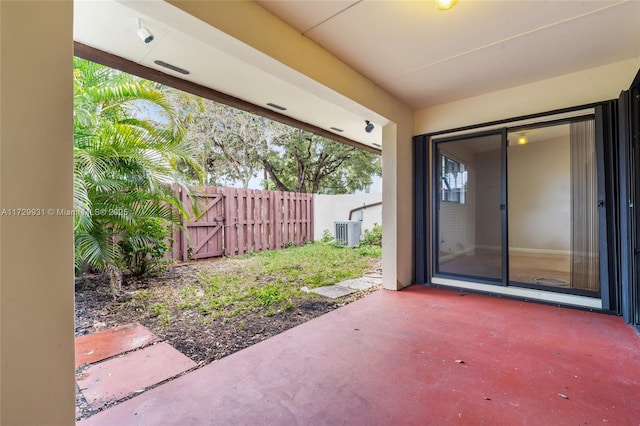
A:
427	57
420	55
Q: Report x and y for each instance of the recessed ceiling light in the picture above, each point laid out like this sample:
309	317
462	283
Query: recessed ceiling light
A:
336	129
171	67
276	106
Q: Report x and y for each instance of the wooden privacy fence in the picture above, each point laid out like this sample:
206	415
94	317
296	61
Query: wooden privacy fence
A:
233	221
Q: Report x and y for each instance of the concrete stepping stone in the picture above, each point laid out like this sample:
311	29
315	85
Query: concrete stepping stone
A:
131	373
105	344
332	291
359	283
346	287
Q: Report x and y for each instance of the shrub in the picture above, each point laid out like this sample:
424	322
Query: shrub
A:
372	237
327	236
144	247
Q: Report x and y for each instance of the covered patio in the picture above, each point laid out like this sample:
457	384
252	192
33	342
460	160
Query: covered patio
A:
391	358
418	356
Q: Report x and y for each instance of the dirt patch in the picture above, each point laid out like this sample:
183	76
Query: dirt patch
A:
202	338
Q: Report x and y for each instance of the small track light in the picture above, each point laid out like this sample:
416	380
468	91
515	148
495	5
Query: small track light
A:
369	127
144	33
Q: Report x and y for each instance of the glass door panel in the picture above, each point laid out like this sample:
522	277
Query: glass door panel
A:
553	207
469	198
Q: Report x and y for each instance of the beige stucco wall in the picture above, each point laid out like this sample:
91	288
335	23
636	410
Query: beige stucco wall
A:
580	88
327	209
36	253
253	25
397	205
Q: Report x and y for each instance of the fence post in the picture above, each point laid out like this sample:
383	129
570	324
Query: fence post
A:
299	218
279	231
311	224
271	235
229	222
184	238
261	220
176	232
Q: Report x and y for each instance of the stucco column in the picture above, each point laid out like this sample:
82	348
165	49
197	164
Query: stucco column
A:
397	206
36	247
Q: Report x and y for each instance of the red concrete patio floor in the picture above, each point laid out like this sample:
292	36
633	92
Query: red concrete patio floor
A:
420	356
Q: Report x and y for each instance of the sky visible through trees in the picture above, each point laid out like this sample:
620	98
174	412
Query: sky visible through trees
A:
237	148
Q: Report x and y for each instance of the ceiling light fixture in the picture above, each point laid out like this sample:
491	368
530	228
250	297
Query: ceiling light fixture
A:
171	67
144	33
445	4
369	126
522	140
276	106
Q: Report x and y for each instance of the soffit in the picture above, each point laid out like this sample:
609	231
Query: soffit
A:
218	61
421	56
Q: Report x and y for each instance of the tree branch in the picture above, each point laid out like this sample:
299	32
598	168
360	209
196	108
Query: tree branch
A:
270	170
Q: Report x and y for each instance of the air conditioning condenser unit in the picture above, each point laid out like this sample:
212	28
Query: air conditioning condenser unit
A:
348	233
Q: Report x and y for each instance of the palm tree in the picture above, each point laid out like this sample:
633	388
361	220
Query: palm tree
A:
128	150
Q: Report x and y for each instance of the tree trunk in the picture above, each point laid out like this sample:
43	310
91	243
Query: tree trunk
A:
269	169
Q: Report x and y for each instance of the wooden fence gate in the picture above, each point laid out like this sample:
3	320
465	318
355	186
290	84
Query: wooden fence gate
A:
233	221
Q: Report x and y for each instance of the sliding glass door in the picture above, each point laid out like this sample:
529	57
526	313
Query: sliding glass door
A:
553	219
470	207
520	207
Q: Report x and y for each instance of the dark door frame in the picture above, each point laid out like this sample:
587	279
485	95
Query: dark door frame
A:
606	140
635	230
436	201
629	173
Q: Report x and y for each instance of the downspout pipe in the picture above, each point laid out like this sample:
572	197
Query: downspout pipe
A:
363	207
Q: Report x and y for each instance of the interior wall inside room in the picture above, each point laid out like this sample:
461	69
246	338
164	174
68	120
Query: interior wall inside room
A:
488	215
456	221
539	196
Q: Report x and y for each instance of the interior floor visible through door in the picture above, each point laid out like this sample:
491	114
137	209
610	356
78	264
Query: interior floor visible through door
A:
528	268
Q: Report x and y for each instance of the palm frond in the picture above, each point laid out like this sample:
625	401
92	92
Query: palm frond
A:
125	160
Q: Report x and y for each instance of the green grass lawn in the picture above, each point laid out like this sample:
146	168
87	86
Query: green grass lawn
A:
267	282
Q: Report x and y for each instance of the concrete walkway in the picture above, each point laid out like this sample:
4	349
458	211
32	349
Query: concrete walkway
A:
420	356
